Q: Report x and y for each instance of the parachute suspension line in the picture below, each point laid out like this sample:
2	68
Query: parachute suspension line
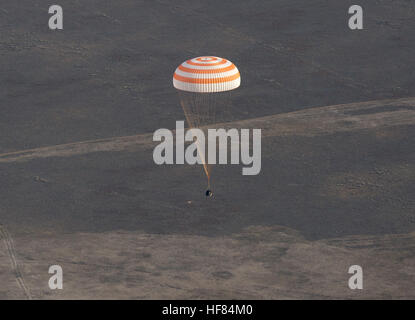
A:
202	110
189	106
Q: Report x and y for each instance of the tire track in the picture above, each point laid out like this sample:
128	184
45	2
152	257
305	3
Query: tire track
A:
8	241
307	122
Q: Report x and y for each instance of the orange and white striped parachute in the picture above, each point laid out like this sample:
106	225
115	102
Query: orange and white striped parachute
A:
204	85
206	75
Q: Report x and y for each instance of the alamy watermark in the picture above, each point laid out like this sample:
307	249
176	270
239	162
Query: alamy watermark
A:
56	281
195	152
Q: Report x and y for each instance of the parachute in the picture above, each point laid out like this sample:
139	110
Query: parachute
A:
204	85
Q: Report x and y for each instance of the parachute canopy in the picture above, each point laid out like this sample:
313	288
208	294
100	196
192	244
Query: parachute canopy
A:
206	74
